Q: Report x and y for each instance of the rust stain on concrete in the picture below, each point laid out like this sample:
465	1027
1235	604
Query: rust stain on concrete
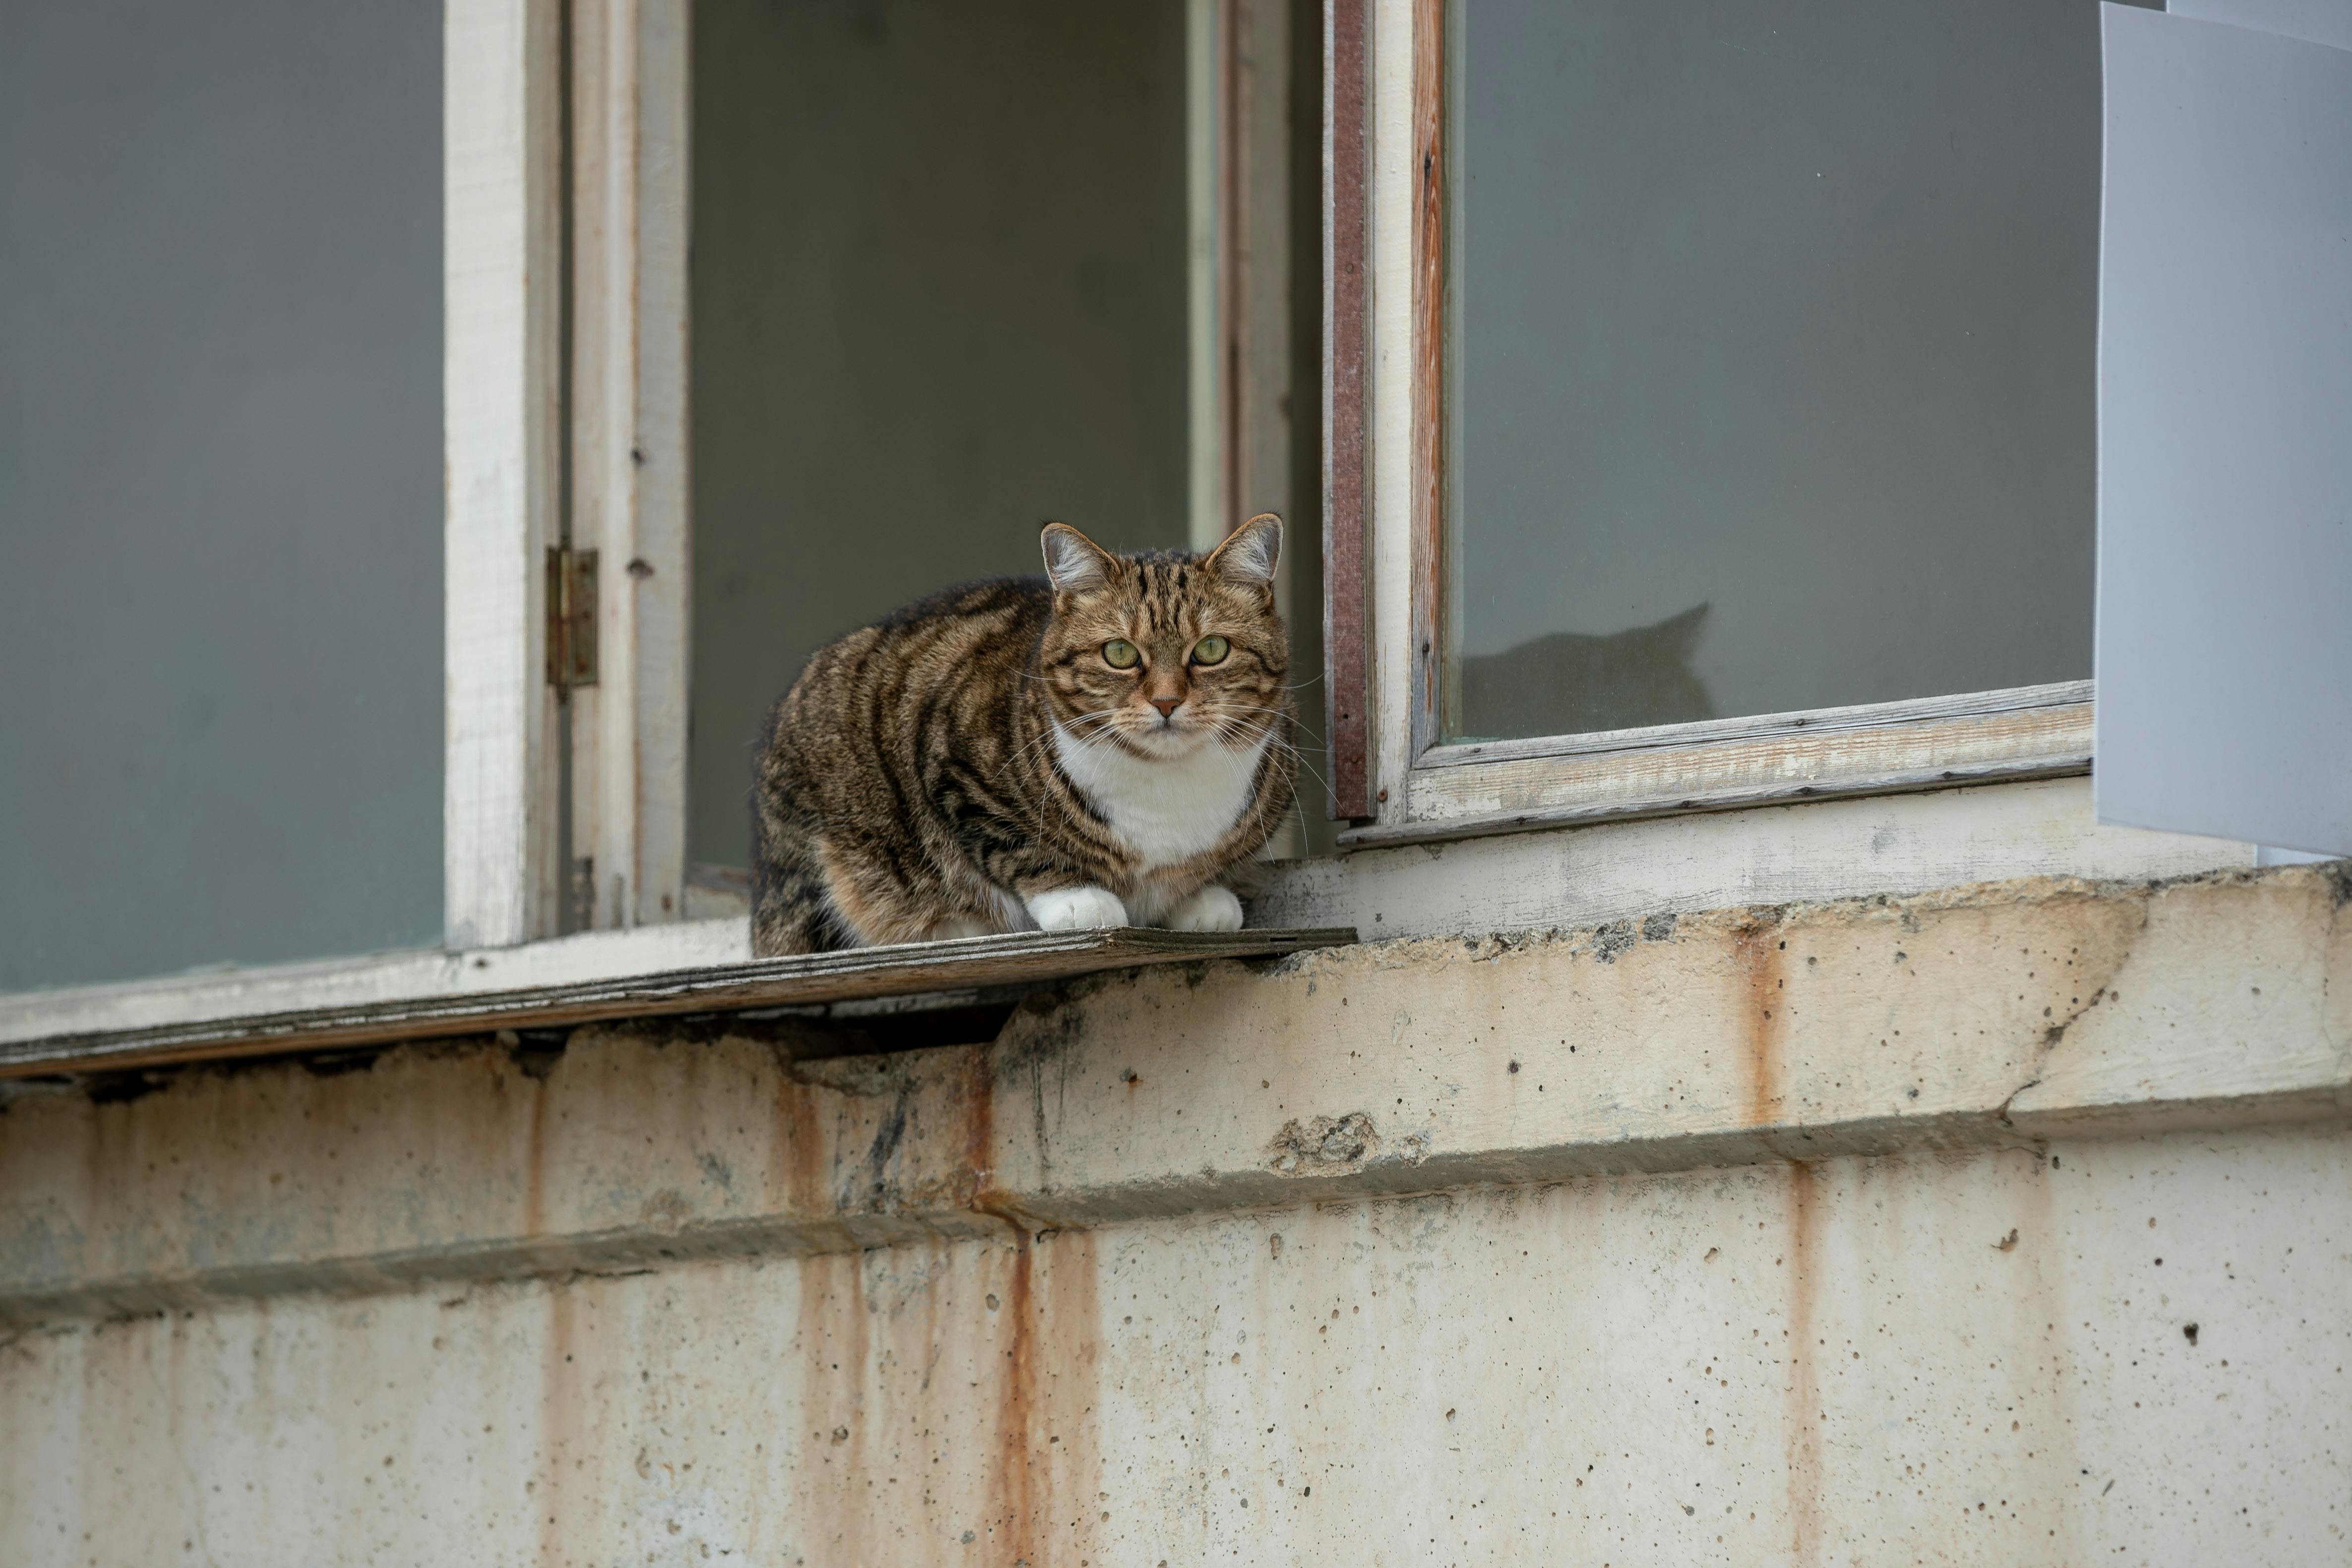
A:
1049	1463
1802	1460
1013	1484
1073	1344
837	1452
534	1160
978	1102
803	1161
104	1158
1758	993
862	1454
559	1417
2042	1299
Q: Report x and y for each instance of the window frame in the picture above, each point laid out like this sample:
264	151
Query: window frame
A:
517	91
566	223
511	81
502	247
566	183
1386	309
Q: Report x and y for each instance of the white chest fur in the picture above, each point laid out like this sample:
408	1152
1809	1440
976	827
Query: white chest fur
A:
1167	808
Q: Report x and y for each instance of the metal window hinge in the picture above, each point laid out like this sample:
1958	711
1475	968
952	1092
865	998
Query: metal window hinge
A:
571	618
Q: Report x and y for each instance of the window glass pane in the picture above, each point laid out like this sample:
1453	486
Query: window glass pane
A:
220	484
1772	355
938	296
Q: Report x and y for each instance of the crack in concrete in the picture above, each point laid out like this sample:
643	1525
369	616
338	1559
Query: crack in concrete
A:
2055	1035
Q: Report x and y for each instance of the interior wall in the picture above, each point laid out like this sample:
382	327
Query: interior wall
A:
939	298
1304	412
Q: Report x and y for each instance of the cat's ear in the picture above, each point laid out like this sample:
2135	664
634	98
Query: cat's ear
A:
1678	634
1075	564
1248	555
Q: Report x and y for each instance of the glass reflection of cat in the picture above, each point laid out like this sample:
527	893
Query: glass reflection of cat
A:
1573	683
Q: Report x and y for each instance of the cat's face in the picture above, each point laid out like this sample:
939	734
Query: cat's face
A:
1164	653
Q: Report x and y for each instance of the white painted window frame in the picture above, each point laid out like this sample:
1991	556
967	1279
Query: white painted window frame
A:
502	302
508	872
1423	789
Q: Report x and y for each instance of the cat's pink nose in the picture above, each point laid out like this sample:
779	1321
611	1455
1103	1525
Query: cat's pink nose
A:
1167	705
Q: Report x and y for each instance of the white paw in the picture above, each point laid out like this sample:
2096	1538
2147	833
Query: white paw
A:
1076	909
1209	909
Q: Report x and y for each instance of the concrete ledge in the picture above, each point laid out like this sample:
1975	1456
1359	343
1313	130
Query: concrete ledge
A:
2004	1013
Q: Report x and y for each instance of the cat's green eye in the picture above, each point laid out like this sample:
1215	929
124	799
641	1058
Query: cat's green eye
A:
1120	654
1210	650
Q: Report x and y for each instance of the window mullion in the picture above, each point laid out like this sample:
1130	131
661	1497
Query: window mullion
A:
629	457
500	408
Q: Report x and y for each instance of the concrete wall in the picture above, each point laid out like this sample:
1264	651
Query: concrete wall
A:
1814	1233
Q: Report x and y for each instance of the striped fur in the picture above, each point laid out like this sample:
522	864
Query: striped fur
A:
975	763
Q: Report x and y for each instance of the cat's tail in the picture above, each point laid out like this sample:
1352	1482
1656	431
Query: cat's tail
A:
791	910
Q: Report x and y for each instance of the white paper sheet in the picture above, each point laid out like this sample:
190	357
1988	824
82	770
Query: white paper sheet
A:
2224	648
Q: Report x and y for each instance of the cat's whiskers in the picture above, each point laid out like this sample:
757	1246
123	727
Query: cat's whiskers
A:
1104	719
1298	760
1297	757
1296	722
1043	736
1222	709
1046	733
1269	738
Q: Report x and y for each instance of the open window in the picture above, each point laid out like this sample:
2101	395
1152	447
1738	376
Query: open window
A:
958	270
1705	396
744	322
952	273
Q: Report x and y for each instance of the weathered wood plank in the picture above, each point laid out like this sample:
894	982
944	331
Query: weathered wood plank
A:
1632	808
1393	228
965	963
1792	765
1887	716
1426	550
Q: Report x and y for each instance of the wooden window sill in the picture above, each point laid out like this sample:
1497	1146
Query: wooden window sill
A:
964	965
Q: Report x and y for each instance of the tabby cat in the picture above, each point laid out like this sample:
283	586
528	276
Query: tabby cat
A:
1105	745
